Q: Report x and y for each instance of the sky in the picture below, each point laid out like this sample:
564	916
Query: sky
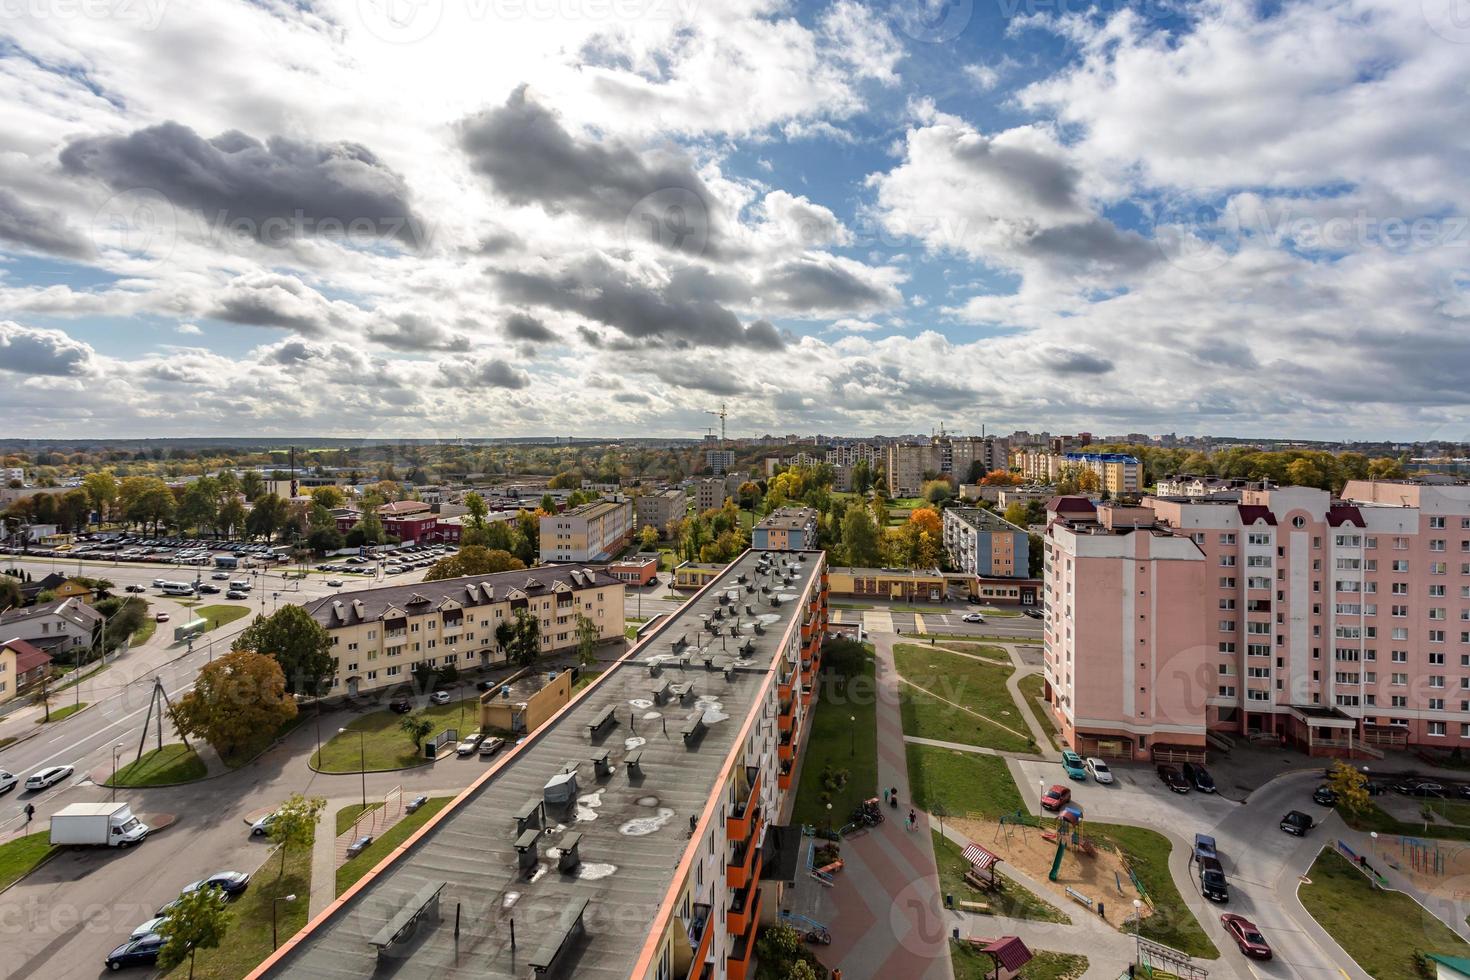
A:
449	218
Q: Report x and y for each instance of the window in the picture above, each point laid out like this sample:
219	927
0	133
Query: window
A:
1400	588
1436	728
1436	544
1227	646
1436	523
1348	540
1229	538
1227	603
1227	691
1228	626
1227	583
1256	537
1436	591
1227	561
1399	656
1436	636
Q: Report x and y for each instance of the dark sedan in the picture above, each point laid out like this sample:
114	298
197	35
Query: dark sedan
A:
1171	777
1246	936
137	952
1324	795
1298	823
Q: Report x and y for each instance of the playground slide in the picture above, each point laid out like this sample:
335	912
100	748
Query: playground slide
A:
1056	866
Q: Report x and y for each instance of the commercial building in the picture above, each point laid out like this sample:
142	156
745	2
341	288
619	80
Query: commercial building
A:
647	843
787	528
980	542
638	570
695	574
1117	473
709	494
591	532
1329	623
906	584
380	635
658	509
57	627
21	666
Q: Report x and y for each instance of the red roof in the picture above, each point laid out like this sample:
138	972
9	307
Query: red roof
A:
979	857
1251	513
1009	951
1071	505
1340	514
27	657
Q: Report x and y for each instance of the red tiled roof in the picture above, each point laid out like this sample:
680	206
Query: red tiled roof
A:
1009	951
979	857
1340	514
1071	505
1251	513
27	657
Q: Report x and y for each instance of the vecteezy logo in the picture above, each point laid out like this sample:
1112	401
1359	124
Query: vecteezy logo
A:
674	218
1450	19
1195	235
400	21
934	21
140	222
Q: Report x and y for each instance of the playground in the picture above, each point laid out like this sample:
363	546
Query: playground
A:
1431	865
1060	846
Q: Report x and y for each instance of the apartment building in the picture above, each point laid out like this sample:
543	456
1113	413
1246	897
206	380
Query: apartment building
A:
959	456
981	543
1117	473
379	635
658	509
853	453
786	529
1328	622
709	494
591	532
906	465
719	460
951	456
649	844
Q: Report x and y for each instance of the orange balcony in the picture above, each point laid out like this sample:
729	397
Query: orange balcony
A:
783	690
742	865
783	778
786	719
744	910
742	948
744	816
701	933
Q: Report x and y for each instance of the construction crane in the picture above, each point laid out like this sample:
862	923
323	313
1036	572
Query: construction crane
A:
721	414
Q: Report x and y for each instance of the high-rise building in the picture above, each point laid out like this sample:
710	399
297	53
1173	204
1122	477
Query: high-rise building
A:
1329	623
951	456
591	532
981	543
709	494
1117	473
719	460
650	844
658	509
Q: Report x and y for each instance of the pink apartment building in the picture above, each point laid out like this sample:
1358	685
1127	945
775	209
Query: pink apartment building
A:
1334	624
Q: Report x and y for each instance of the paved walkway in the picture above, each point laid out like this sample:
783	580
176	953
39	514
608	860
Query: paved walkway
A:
884	912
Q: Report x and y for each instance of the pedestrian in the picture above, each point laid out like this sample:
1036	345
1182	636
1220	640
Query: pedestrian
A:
913	819
30	813
837	974
885	796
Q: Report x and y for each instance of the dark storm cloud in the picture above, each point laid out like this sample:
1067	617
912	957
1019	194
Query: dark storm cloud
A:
28	350
597	291
271	300
272	191
490	373
522	326
1031	174
39	230
714	379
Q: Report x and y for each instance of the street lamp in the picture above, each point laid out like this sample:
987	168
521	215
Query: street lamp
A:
362	757
829	818
1137	925
275	902
118	748
852	736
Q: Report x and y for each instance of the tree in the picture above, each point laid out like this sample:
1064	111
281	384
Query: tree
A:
324	539
199	504
268	516
44	694
587	638
477	508
648	537
328	497
10	594
1000	478
860	538
238	701
473	560
252	484
417	726
230	518
1385	468
299	644
1350	785
295	823
937	491
101	490
197	921
1015	513
926	519
520	638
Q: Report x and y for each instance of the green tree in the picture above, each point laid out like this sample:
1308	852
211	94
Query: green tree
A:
252	484
101	490
475	504
328	497
1385	468
199	504
238	701
1351	787
860	538
520	638
648	537
9	592
587	638
472	560
294	824
299	644
230	518
197	921
324	539
416	726
267	517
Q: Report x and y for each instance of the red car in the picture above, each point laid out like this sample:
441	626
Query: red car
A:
1246	936
1056	798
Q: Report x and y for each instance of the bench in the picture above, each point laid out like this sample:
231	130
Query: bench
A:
531	810
604	717
660	692
693	726
982	907
599	764
633	762
569	927
405	921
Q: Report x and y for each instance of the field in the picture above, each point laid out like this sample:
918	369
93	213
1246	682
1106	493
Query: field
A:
980	711
174	763
383	745
841	744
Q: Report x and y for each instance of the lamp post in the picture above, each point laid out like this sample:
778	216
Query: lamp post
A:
852	736
362	758
118	748
829	819
1137	925
275	903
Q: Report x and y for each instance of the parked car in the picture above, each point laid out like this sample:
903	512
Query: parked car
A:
486	686
1298	823
1098	769
1415	787
1171	777
237	594
401	706
7	781
135	952
973	618
231	883
359	845
468	744
1056	797
149	928
1204	847
1324	795
439	697
49	776
1072	763
161	617
262	826
490	746
135	588
1246	936
1199	777
1033	613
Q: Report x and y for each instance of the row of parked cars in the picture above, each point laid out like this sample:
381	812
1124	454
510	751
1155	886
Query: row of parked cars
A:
143	944
134	548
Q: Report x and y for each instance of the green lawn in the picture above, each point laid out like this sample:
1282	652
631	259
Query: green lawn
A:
981	687
8	740
247	940
62	712
986	650
1172	923
1343	901
219	615
970	964
837	742
77	680
347	816
246	754
144	633
19	857
354	869
1015	901
386	746
965	783
1033	686
174	763
1383	823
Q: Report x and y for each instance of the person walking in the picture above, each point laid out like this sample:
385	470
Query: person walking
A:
885	797
913	819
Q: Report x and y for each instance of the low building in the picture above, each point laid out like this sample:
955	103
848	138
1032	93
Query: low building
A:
525	701
709	494
660	508
786	529
58	585
695	574
982	543
380	635
21	666
591	532
58	627
905	584
1007	591
634	571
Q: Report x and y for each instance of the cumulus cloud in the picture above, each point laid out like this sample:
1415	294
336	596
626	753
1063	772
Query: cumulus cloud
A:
488	373
37	351
524	327
39	229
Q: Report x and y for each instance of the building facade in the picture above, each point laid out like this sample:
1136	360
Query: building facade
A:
955	457
853	453
787	528
657	510
1324	622
981	543
21	667
906	584
58	627
591	532
380	635
709	494
1117	473
719	460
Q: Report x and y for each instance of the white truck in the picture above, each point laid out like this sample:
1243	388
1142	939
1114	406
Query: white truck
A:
109	824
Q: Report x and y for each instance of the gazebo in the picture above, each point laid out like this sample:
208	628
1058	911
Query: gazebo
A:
1008	952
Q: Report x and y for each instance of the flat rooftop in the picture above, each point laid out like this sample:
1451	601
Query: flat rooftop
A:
634	827
981	519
